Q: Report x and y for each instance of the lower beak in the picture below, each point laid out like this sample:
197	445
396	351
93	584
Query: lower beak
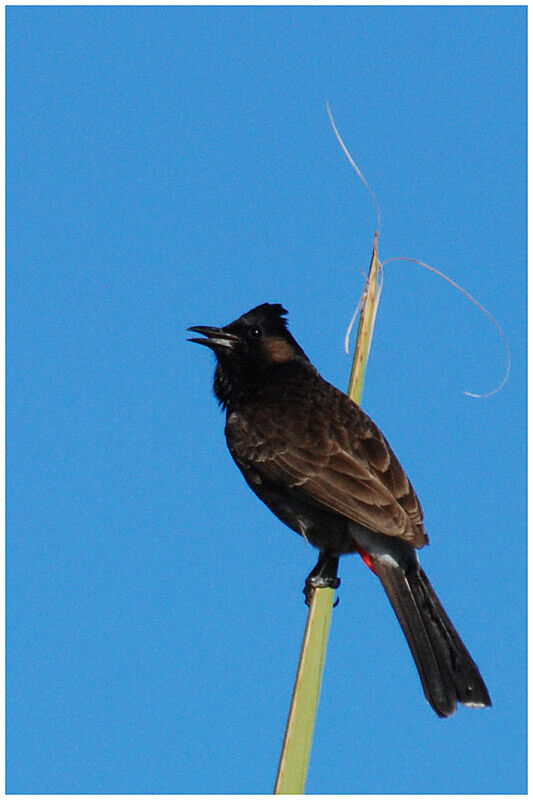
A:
215	337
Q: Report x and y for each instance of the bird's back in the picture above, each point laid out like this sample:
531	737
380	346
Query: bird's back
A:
297	430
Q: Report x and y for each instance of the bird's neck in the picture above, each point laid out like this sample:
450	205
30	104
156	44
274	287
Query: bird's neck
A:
235	385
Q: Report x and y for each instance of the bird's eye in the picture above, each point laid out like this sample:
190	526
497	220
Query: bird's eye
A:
255	333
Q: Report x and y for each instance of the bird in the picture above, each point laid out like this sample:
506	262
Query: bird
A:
324	468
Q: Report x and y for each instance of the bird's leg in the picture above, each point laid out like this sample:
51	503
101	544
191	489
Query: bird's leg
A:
324	575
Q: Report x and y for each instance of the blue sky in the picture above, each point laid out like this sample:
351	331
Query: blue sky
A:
174	166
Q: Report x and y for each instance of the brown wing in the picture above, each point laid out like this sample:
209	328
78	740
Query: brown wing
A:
341	461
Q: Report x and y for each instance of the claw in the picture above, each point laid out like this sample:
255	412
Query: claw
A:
320	582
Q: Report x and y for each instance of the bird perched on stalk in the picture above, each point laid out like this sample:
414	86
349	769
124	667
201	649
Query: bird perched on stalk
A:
325	469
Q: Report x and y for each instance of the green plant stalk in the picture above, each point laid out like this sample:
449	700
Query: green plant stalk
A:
296	751
365	332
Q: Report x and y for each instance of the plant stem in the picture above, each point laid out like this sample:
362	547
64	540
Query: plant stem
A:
296	751
367	320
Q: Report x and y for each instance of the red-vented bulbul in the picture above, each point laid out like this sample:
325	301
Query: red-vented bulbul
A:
326	470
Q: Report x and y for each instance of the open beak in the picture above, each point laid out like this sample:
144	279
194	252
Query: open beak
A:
216	338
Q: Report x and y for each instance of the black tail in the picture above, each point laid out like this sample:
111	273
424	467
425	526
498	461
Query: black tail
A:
446	668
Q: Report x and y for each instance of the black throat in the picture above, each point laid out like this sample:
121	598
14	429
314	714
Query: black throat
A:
237	382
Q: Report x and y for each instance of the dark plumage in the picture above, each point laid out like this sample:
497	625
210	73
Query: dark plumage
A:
326	470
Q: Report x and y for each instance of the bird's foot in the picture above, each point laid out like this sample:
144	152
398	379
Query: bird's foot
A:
320	582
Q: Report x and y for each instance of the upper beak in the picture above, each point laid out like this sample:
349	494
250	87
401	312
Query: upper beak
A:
216	337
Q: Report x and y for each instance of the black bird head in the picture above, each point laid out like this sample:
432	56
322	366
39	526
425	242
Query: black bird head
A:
249	348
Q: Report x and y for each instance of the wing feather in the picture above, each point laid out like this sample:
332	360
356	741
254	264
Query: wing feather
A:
347	466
